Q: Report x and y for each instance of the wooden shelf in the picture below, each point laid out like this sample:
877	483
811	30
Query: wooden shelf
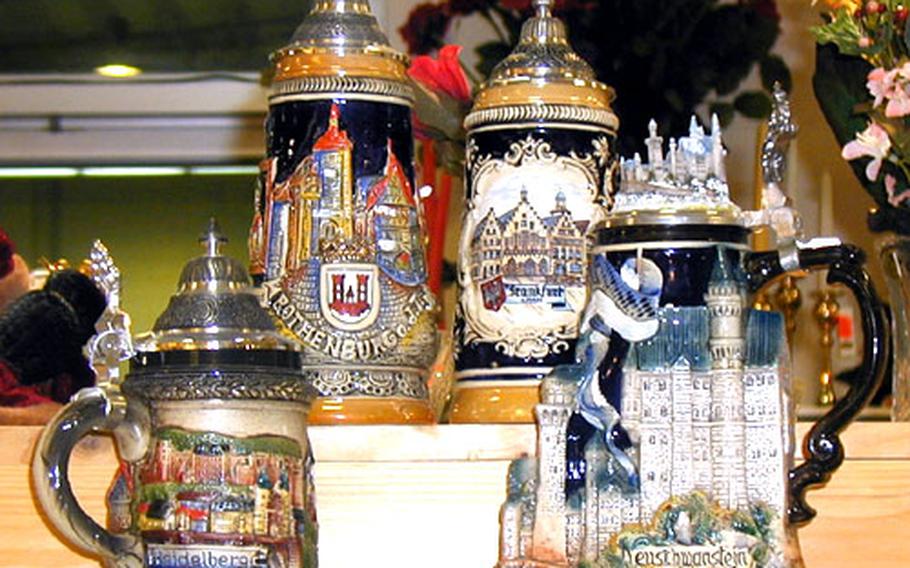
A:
415	496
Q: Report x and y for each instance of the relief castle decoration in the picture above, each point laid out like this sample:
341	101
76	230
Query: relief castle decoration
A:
690	173
343	263
206	489
704	407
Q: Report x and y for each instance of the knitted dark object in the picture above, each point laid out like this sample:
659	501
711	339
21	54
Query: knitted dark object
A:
81	293
39	337
6	254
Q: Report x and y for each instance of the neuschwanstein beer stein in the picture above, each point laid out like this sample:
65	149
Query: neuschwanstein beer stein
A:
210	425
538	173
338	236
668	442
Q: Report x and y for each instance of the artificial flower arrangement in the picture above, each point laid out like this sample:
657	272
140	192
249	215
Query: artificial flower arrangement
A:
442	99
862	83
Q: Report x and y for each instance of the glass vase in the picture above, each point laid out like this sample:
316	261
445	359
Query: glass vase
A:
894	253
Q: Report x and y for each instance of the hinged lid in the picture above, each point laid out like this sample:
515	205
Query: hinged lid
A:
214	308
339	48
543	79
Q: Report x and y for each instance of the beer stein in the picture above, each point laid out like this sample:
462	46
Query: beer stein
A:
538	172
210	425
337	239
669	440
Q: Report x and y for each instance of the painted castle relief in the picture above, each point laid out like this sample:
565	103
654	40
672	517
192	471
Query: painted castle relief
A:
688	464
343	257
202	495
704	406
524	248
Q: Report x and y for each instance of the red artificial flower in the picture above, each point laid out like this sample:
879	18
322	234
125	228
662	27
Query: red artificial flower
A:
426	26
444	74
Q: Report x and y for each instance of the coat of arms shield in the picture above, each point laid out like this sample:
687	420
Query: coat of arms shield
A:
494	294
349	295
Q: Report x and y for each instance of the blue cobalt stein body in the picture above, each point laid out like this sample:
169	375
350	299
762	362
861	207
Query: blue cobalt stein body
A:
538	173
338	240
668	440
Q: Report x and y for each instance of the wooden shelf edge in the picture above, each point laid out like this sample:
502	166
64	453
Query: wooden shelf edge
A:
461	442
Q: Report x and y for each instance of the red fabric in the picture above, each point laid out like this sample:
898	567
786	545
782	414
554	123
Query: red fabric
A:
14	394
7	249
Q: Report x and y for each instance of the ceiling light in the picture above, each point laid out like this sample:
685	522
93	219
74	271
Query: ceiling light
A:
125	171
38	172
135	171
223	170
118	71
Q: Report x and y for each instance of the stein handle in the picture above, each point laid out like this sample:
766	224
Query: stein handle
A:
91	410
822	447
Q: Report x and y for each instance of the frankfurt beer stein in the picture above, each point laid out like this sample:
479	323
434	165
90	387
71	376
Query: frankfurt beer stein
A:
210	425
669	441
537	174
338	239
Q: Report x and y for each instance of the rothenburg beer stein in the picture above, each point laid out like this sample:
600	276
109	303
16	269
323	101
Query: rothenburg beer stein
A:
337	240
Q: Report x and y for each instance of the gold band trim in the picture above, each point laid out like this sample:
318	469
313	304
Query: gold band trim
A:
354	85
375	63
542	113
362	410
494	405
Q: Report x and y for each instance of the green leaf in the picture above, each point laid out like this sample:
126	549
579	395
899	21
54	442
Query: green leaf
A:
906	35
753	104
843	32
438	111
725	112
775	70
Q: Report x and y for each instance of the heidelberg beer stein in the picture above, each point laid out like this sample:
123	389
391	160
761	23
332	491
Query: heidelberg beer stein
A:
210	425
668	442
337	240
537	176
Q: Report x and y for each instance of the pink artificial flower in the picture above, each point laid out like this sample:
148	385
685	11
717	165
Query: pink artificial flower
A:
890	186
899	103
899	98
880	84
444	74
872	142
892	86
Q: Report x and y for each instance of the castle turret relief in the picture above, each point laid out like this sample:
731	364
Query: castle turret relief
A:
678	390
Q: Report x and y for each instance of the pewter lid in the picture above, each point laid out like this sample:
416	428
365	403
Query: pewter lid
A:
339	48
213	308
544	70
340	24
543	53
683	183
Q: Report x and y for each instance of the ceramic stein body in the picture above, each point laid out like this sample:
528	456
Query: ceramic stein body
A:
704	406
338	240
210	425
669	440
537	176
